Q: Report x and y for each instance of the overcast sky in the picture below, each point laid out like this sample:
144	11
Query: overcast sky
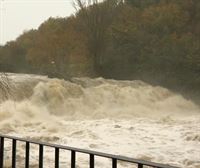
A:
17	16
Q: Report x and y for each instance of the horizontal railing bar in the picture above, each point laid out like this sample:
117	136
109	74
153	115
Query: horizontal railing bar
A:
100	154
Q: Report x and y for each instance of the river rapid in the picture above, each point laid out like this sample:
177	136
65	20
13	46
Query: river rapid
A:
130	118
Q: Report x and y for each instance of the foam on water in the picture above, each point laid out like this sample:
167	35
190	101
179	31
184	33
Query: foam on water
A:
129	118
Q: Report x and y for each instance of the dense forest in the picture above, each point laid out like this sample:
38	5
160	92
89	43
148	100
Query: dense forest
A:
157	41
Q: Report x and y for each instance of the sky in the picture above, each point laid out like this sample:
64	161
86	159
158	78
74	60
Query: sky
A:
17	16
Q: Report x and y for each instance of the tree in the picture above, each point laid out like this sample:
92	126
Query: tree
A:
142	3
96	18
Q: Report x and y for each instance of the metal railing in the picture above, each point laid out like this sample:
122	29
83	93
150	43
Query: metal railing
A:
91	154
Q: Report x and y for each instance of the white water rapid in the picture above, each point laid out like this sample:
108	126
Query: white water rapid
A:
128	118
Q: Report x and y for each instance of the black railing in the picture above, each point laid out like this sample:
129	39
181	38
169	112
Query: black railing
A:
91	154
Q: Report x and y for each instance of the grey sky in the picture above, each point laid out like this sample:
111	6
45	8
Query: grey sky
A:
17	16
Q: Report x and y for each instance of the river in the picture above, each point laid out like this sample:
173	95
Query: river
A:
130	118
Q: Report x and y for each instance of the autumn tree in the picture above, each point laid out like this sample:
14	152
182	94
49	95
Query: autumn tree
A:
96	18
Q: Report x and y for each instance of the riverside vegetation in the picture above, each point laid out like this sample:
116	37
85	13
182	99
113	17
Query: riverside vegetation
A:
157	41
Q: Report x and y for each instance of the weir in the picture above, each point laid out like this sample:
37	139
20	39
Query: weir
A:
91	154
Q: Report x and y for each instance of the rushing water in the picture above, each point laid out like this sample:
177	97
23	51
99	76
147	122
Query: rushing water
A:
128	118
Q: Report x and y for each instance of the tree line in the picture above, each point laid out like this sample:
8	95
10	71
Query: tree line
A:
157	41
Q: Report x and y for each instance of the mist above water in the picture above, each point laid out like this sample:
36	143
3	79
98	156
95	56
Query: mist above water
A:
129	118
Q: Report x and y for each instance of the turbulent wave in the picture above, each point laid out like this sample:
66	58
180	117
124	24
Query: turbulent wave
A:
100	114
84	98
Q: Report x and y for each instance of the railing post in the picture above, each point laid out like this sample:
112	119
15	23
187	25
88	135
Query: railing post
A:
91	161
140	165
40	156
91	154
73	159
56	157
27	155
1	151
14	145
114	163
